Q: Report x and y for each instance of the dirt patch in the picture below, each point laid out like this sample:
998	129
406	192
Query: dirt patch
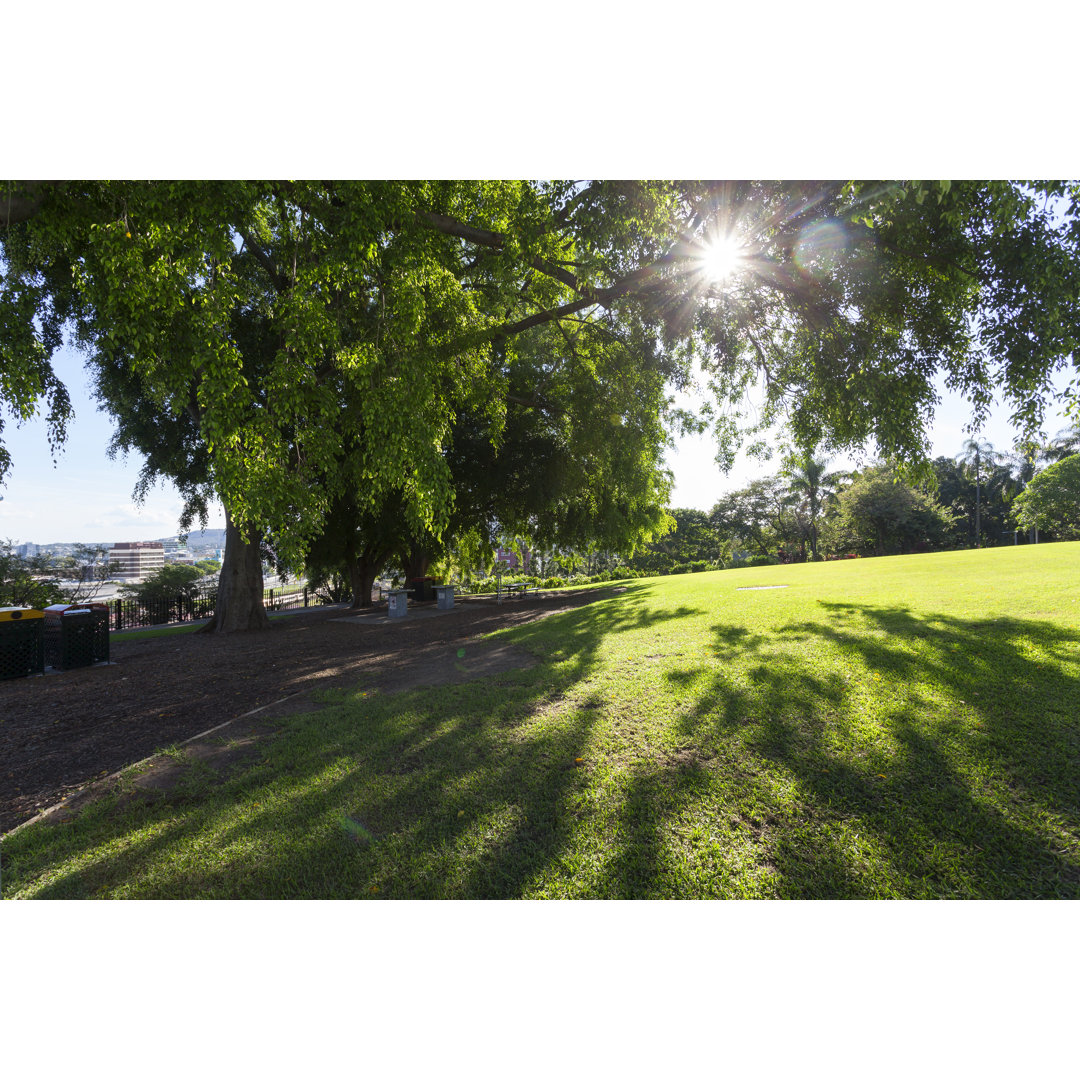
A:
442	666
63	732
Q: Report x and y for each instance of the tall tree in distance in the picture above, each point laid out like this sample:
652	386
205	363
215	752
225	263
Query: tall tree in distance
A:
974	454
1065	443
759	515
879	513
814	486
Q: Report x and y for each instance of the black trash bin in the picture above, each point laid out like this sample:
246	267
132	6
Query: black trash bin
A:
22	642
76	635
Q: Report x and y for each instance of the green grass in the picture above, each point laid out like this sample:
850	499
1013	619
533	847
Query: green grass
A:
164	631
904	727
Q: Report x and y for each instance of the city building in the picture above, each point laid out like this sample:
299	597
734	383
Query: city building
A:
136	561
510	559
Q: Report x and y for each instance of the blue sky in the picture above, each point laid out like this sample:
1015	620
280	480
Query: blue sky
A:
87	497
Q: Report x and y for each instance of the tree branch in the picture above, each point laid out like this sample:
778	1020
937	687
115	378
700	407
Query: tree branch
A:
634	282
486	238
529	403
20	200
277	279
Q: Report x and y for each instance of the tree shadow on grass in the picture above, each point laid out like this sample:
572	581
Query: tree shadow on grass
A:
870	752
469	790
958	776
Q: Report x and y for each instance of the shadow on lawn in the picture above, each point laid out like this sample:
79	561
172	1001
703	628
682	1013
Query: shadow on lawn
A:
469	790
813	787
944	805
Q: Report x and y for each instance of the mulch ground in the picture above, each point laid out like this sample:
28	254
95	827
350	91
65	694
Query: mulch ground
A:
62	731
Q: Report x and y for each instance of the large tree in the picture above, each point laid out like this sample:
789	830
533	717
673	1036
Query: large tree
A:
761	515
879	513
382	311
1051	501
976	453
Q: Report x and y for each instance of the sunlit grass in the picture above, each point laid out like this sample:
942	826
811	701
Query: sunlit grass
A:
902	727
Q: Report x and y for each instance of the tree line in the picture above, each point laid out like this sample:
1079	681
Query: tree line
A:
803	512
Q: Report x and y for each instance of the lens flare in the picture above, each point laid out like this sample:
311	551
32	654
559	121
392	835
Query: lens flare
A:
721	258
819	248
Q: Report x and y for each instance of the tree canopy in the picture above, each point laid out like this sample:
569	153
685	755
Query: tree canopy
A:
315	341
880	514
1052	500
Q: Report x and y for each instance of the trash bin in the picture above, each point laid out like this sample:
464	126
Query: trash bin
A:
445	596
22	642
399	603
76	635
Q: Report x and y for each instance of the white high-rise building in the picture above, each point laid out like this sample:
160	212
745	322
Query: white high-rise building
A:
137	560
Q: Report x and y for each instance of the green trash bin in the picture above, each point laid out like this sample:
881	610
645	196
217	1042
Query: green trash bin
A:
76	635
22	642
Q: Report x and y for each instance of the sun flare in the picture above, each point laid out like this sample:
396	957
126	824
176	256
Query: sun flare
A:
721	258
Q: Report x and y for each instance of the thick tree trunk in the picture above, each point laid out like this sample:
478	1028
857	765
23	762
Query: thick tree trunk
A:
361	580
416	563
240	586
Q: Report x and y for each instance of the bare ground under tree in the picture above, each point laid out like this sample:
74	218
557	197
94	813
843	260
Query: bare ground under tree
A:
61	732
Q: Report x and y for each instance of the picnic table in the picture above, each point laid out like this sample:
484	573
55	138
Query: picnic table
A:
521	587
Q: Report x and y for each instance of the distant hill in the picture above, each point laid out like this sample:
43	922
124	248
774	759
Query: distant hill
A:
200	538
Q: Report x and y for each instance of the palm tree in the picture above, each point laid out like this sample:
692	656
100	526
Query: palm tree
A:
813	486
1023	462
1064	444
975	453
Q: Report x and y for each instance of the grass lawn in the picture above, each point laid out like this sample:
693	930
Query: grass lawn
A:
901	727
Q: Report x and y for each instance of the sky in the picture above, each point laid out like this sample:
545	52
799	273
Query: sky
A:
699	482
86	497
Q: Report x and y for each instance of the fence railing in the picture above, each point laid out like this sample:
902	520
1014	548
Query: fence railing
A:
202	604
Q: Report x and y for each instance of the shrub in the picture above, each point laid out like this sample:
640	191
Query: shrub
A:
27	582
168	583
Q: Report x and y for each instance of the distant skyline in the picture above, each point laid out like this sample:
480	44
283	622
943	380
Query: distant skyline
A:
86	497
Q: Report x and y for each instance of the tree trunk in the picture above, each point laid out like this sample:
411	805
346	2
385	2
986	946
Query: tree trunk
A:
978	523
416	563
362	579
240	585
879	547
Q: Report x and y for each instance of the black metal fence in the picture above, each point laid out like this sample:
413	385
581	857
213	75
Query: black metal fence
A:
200	604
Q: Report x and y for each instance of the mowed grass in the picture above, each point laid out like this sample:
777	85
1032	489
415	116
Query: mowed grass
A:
901	727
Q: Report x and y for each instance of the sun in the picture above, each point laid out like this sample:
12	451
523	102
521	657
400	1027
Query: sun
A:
721	258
